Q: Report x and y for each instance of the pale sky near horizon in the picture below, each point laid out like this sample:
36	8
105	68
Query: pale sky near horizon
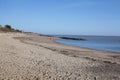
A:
76	17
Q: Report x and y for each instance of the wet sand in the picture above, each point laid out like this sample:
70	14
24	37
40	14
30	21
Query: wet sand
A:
32	57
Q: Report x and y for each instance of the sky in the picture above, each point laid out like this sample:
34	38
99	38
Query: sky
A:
70	17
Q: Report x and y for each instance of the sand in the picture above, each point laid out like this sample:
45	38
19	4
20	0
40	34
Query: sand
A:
32	57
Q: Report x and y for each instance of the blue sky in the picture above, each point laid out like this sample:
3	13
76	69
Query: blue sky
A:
81	17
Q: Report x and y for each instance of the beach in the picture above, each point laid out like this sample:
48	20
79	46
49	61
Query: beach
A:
26	56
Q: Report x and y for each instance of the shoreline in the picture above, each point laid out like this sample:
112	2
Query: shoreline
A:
87	48
34	57
66	38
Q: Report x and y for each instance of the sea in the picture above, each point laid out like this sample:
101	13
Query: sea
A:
104	43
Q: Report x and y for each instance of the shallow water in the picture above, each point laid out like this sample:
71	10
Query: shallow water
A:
106	43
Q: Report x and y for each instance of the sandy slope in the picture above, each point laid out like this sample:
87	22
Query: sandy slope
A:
32	57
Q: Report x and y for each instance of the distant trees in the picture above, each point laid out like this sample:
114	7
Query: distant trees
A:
8	26
18	30
0	26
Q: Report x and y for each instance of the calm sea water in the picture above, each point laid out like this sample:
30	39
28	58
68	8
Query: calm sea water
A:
106	43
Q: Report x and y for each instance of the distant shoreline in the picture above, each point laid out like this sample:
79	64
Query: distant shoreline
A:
88	41
86	48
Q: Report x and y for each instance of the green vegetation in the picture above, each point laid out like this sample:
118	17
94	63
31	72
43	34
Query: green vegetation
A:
8	28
